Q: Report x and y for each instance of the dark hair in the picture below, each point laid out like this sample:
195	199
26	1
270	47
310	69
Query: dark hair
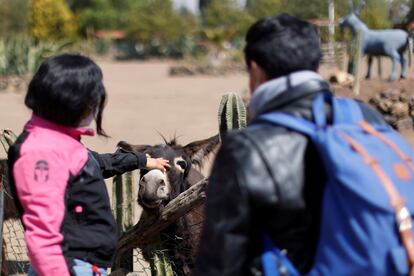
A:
283	44
64	87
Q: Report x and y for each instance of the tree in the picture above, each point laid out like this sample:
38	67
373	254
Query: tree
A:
13	17
225	20
261	8
100	14
51	20
306	10
155	24
376	14
203	4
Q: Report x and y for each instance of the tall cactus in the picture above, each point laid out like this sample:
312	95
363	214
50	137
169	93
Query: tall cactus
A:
7	138
232	113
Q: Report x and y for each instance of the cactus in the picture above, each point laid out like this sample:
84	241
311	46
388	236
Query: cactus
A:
232	113
7	138
162	264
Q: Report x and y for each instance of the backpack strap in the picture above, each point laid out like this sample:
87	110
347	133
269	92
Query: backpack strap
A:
402	214
288	121
345	111
368	128
273	260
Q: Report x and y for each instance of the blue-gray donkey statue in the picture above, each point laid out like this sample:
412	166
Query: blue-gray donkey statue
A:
391	42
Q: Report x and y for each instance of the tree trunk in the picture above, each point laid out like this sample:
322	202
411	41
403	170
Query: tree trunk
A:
331	5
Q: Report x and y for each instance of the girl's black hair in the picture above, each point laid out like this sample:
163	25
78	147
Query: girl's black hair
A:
64	88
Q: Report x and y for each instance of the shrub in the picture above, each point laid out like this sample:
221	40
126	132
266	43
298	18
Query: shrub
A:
51	20
159	29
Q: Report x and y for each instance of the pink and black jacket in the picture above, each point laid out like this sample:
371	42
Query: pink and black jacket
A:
61	195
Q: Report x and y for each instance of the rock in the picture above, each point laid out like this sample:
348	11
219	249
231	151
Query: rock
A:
3	84
394	95
404	98
181	70
397	107
341	78
400	110
385	106
405	125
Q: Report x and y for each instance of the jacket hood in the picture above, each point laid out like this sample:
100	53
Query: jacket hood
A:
270	90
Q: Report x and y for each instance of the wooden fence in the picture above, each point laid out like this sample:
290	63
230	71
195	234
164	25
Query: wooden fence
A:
334	54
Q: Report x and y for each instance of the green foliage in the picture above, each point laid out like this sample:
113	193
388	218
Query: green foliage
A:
232	114
20	55
203	4
224	20
51	20
306	10
376	14
159	29
261	8
13	17
100	14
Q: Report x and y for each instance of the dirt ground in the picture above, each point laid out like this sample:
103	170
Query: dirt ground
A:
145	100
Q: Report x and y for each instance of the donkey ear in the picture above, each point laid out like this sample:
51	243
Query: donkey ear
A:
198	150
128	147
360	7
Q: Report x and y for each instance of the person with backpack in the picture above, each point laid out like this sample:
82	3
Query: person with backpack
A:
58	184
315	184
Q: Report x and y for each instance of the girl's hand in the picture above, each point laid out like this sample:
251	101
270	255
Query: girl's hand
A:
157	164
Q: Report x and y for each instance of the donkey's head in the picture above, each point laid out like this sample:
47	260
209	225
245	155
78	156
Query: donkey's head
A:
352	20
157	187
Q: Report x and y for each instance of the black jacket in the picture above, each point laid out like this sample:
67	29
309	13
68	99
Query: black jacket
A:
265	179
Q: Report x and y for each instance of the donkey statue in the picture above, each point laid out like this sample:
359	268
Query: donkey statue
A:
392	43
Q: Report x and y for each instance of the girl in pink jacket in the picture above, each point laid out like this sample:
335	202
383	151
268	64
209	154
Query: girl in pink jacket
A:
58	184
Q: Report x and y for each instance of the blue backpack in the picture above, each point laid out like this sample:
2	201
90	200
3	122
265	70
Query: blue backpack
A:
366	221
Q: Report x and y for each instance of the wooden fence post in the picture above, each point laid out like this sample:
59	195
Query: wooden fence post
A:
357	64
7	138
123	206
3	175
331	28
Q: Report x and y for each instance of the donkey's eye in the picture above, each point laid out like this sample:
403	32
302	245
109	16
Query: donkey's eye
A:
182	164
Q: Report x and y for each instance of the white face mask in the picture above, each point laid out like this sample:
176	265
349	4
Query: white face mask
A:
88	120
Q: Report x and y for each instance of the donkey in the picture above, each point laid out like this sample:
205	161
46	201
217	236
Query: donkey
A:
390	42
157	188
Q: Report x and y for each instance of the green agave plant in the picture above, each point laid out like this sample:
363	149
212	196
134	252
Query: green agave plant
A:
22	55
